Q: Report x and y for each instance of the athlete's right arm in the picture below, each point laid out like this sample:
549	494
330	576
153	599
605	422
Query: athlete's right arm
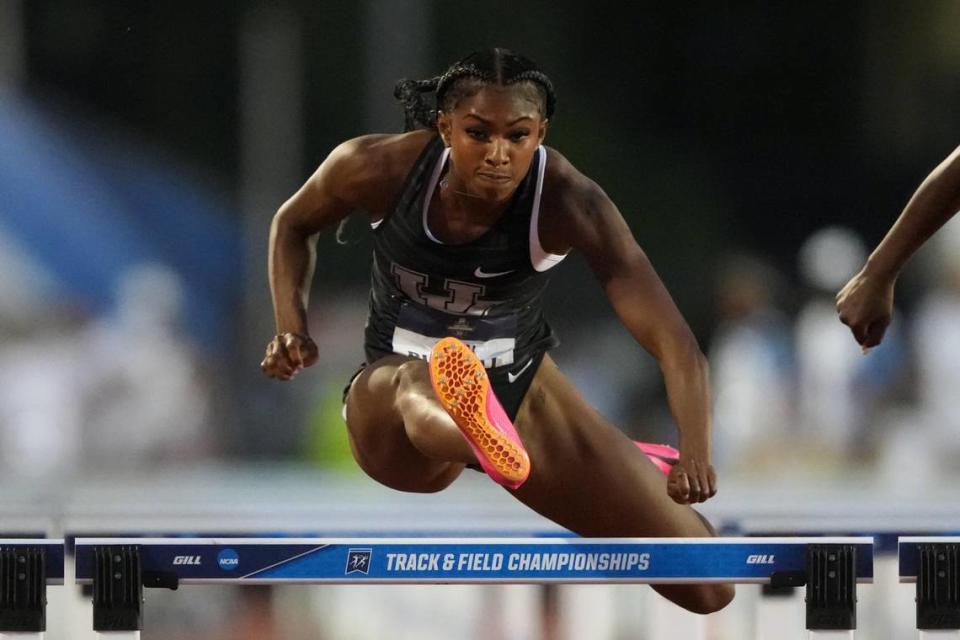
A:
342	183
865	304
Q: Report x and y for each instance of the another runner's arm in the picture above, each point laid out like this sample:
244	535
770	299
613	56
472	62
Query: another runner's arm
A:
936	200
865	303
592	225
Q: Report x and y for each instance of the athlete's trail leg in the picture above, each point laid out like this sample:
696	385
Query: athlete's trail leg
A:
589	477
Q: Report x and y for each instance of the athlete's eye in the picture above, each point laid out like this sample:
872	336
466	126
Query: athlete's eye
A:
477	133
519	134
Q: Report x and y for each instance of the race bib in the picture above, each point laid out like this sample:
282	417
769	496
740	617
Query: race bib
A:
420	328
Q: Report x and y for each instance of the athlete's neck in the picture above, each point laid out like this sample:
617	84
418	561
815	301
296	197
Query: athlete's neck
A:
461	207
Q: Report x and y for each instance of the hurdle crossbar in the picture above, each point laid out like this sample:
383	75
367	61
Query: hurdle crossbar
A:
469	560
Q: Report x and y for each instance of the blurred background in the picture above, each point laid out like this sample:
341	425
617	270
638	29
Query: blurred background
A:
756	152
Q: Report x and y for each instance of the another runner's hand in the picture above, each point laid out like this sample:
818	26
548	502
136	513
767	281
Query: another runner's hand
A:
865	304
691	480
287	354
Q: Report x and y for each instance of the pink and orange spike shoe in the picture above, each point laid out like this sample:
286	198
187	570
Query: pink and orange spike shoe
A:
662	455
464	391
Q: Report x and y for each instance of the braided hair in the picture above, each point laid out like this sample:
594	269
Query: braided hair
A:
465	78
500	67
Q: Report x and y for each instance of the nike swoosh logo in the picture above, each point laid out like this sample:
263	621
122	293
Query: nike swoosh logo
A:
480	273
512	377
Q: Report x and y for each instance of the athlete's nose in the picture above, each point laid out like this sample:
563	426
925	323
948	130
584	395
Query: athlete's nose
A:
497	154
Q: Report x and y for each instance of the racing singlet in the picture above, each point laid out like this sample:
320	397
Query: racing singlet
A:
486	292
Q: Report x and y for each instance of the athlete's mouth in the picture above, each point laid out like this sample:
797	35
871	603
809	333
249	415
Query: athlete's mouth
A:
496	177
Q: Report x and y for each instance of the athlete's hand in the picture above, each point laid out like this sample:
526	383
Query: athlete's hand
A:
287	354
692	479
865	304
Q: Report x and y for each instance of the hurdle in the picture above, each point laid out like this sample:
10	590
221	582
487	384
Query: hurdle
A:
933	563
27	566
119	568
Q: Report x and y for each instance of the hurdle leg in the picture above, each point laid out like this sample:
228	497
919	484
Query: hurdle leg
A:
831	591
23	593
938	591
117	593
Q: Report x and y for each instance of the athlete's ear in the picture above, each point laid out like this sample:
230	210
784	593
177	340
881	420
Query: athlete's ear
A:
543	130
444	127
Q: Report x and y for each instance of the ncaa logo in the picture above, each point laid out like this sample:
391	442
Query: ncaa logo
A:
228	560
358	561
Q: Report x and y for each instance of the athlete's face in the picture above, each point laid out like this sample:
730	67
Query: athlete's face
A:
492	137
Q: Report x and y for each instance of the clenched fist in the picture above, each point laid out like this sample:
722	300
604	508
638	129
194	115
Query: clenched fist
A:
287	354
865	305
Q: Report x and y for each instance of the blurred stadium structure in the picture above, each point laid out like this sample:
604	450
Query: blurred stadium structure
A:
754	151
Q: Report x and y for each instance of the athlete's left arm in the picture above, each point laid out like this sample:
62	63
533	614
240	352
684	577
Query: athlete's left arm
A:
592	224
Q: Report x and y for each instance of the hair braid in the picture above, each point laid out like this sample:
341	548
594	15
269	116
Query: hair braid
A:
539	78
418	113
467	76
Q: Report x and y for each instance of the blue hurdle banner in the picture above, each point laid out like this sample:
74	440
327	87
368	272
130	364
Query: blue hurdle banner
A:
470	560
53	566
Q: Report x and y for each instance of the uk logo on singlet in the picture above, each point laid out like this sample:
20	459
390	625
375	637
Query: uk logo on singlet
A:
461	298
463	315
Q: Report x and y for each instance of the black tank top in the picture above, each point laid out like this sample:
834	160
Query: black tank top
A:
486	292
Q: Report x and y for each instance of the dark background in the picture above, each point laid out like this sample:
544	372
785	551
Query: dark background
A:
712	125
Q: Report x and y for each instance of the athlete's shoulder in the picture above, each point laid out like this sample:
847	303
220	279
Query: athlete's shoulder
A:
381	154
565	186
374	166
570	205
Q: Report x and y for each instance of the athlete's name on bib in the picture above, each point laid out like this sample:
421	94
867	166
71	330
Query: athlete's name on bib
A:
481	562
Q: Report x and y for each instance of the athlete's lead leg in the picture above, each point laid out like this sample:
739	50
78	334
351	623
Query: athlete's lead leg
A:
398	433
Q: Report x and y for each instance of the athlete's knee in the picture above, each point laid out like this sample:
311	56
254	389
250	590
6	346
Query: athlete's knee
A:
410	375
711	598
702	599
410	480
422	418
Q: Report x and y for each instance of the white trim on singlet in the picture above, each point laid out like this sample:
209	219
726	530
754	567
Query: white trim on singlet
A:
540	259
430	189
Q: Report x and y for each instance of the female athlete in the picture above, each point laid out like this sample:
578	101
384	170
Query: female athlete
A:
470	212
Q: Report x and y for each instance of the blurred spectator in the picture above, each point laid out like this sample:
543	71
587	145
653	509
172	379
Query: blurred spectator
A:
936	341
148	402
42	384
619	379
839	385
751	364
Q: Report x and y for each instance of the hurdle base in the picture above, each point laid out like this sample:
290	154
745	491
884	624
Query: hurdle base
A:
23	605
118	590
831	588
938	582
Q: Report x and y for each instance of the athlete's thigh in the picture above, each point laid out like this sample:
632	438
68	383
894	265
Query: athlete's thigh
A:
588	475
378	437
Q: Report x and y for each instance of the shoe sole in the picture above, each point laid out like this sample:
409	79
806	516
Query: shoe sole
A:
461	384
